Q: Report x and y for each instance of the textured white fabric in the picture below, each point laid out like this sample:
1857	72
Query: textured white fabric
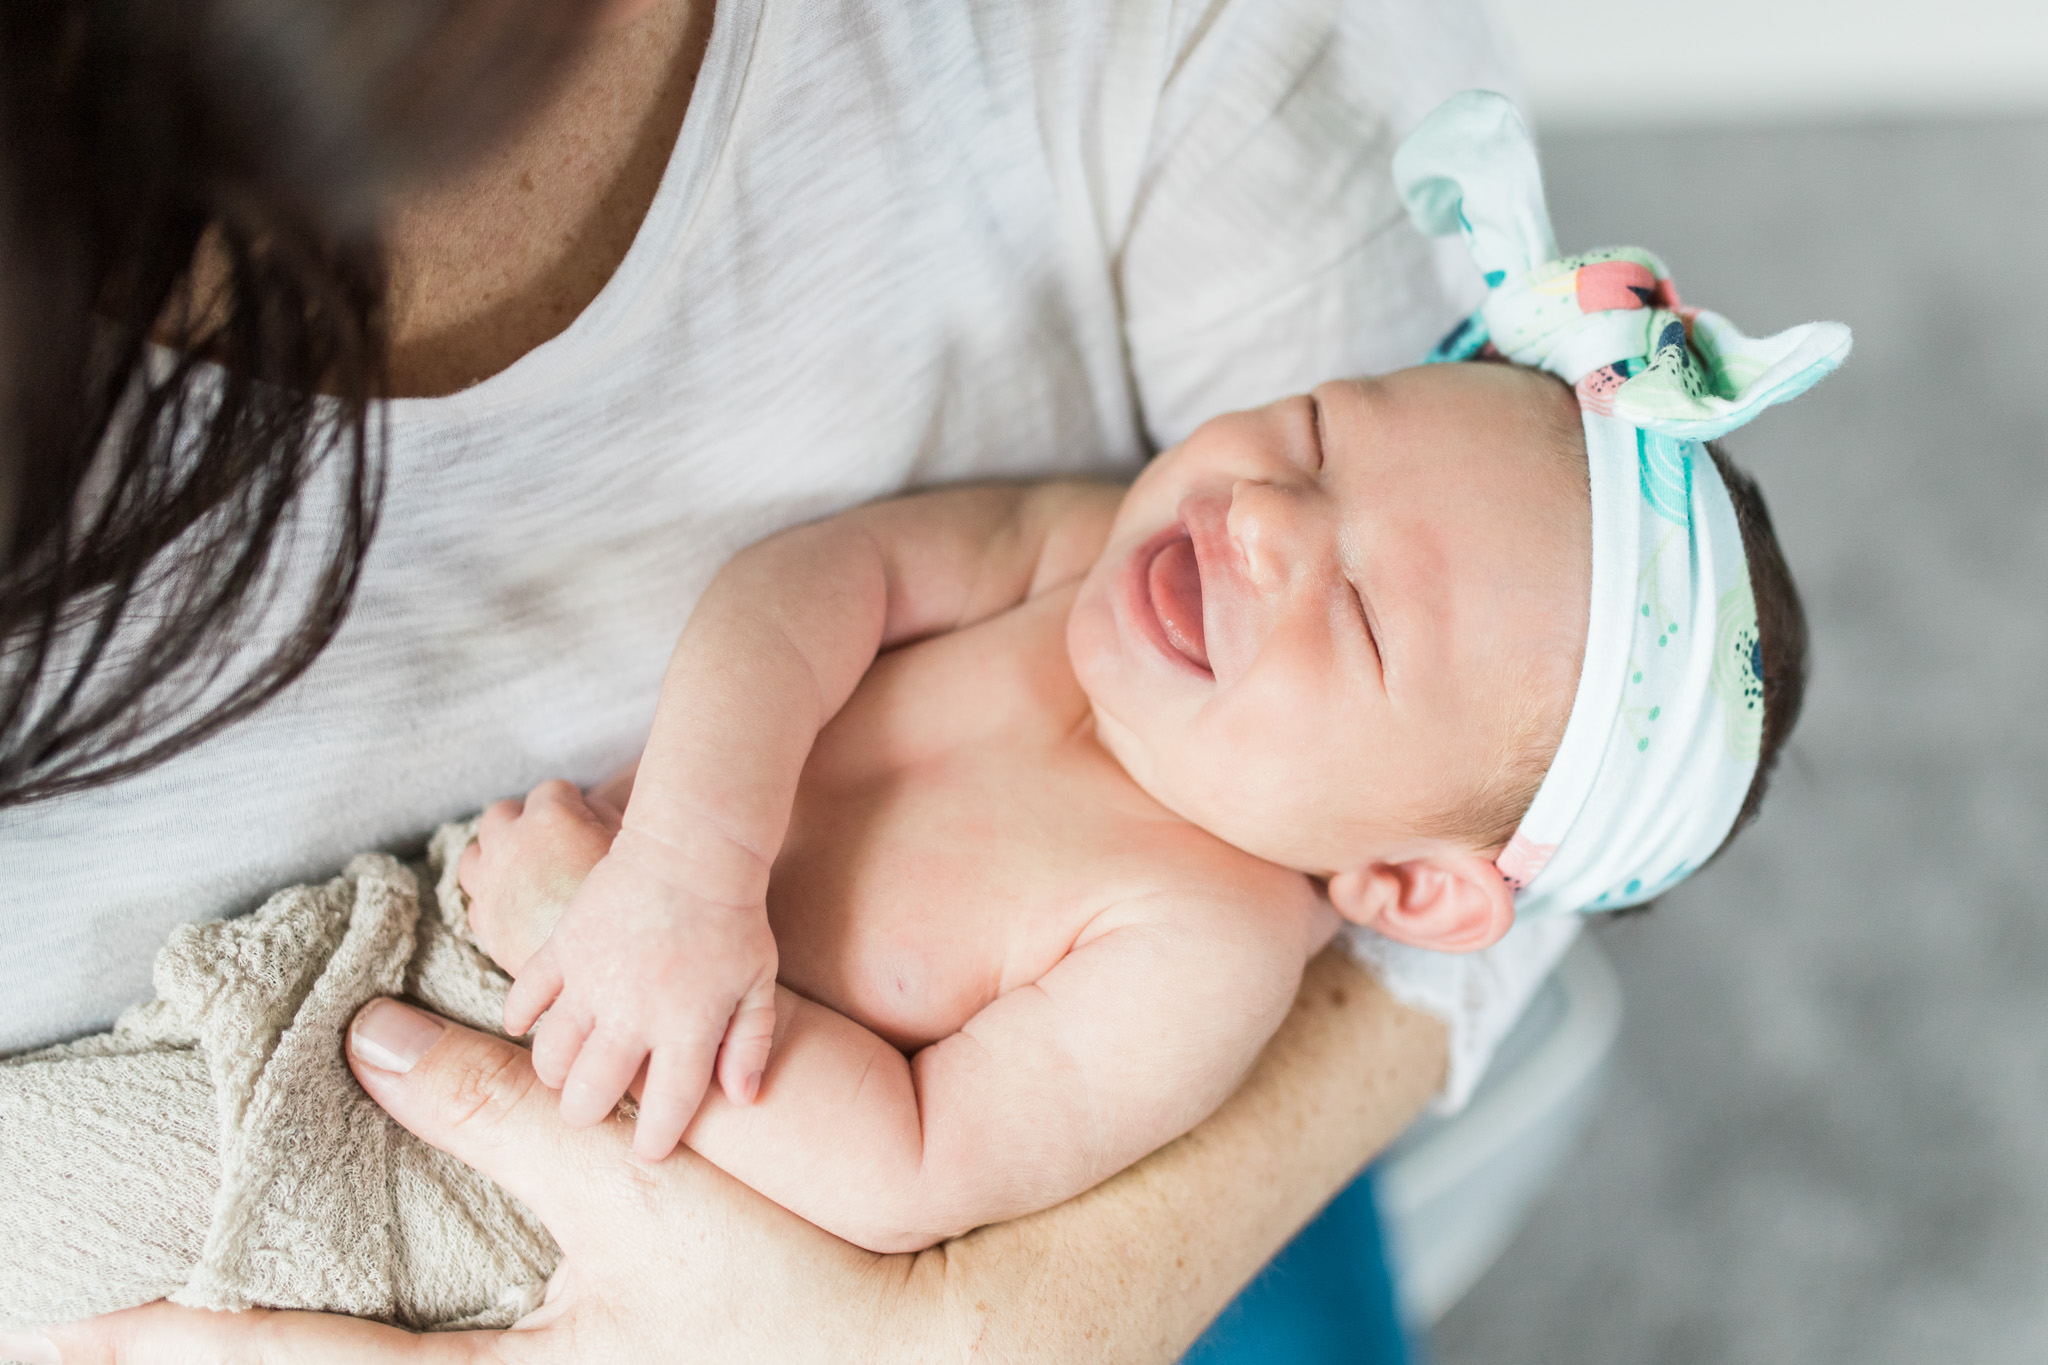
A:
213	1149
896	244
1480	995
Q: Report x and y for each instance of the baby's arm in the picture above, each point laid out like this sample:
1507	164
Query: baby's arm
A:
1128	1042
664	951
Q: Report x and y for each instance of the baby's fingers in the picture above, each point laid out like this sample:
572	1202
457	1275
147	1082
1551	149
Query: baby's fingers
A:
467	867
540	981
603	1070
557	1044
749	1038
668	1101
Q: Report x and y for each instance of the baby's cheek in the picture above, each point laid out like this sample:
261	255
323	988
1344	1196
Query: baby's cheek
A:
1285	714
1284	767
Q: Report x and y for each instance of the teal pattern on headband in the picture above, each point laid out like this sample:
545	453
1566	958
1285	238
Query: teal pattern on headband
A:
1664	468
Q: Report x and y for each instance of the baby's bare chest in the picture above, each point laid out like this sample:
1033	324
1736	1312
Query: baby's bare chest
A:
956	834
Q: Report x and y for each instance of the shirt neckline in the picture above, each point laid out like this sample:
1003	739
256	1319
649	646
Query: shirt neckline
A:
709	117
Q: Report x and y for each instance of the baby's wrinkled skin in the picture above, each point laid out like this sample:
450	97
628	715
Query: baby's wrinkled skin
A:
1098	771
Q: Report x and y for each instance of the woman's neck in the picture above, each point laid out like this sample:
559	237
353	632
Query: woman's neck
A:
486	267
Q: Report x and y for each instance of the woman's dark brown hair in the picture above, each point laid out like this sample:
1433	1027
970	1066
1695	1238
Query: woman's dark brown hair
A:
192	339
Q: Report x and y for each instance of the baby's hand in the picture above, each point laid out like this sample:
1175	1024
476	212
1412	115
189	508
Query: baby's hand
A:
646	969
526	863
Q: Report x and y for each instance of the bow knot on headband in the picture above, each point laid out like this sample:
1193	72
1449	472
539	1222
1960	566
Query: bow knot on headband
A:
1664	732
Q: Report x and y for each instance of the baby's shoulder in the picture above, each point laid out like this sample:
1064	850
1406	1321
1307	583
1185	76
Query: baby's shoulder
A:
1075	516
1180	882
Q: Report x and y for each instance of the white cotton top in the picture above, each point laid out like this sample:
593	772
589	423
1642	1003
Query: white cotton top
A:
896	245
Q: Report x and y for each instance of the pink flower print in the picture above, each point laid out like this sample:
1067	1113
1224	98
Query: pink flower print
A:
1606	285
1523	859
1597	390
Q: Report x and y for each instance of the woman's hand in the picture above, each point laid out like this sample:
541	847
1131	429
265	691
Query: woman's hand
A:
676	1262
680	1262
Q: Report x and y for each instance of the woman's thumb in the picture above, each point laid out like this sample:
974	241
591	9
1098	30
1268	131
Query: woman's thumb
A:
476	1098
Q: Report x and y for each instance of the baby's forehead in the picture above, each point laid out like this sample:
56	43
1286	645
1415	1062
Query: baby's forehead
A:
1471	518
1477	446
1476	411
1548	403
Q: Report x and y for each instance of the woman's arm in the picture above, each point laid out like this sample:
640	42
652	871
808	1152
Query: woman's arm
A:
1136	1268
681	1262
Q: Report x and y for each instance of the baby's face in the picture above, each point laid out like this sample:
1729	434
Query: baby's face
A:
1320	625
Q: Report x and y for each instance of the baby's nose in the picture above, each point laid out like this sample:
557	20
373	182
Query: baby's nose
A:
1266	522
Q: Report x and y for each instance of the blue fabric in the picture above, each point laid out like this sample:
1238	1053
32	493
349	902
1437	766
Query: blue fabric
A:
1326	1299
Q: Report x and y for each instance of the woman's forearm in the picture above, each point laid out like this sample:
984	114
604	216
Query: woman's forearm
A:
1134	1269
682	1261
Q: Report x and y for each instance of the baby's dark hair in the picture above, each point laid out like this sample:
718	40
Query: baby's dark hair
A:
1489	820
1780	625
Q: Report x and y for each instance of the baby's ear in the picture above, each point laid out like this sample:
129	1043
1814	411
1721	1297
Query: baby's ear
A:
1452	901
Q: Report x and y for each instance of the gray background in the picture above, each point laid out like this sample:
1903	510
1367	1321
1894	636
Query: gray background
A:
1825	1136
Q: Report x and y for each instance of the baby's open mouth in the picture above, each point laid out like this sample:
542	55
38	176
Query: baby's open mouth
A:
1175	583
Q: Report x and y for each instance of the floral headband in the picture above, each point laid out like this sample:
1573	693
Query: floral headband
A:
1663	737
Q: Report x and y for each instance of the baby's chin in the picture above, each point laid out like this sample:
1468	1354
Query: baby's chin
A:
1216	807
1134	755
1094	645
1123	746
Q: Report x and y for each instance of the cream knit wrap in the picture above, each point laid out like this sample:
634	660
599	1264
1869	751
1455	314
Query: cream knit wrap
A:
213	1148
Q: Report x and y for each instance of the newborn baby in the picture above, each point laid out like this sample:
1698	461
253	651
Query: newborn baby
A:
1037	800
1059	854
